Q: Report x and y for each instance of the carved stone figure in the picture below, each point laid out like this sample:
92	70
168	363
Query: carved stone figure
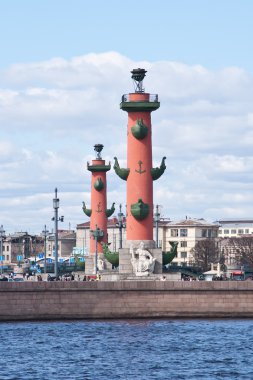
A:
101	264
142	261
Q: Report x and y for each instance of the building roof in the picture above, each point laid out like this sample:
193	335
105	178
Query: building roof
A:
64	234
21	235
235	221
110	223
83	225
193	223
16	235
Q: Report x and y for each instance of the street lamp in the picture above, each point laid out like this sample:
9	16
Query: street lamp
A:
56	204
97	235
45	232
120	225
24	248
157	219
33	247
2	234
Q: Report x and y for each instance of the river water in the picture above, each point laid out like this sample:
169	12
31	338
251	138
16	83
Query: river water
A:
127	349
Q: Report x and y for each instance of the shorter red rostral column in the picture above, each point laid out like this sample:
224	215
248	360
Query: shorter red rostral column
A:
98	213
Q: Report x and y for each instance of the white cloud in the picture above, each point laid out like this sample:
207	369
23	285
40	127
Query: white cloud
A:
5	149
53	112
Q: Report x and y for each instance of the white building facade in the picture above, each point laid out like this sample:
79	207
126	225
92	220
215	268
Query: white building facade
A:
187	233
235	227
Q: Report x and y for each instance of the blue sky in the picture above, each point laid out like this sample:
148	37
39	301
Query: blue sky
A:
214	33
64	67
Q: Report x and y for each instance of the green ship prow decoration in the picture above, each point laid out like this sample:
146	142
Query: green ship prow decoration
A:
140	210
111	257
110	211
139	130
99	184
121	172
157	172
87	211
170	255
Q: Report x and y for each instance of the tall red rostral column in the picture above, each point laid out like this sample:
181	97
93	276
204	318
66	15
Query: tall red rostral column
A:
98	213
139	173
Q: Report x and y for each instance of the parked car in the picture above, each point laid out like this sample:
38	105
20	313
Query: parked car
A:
18	279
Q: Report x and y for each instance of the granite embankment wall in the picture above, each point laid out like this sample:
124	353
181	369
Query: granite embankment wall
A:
125	299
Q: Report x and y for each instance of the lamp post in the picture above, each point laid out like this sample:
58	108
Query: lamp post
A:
56	204
2	232
45	232
24	248
97	234
157	219
20	251
120	225
34	243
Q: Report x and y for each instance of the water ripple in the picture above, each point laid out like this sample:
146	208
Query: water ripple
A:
125	350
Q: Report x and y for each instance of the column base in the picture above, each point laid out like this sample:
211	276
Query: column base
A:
126	267
89	265
148	244
102	264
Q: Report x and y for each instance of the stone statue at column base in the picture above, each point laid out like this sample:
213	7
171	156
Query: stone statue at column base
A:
142	261
101	263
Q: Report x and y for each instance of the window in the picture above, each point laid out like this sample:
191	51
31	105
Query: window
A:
183	244
183	232
3	248
240	231
204	233
183	255
4	257
8	257
233	231
209	233
174	232
7	248
226	232
246	231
